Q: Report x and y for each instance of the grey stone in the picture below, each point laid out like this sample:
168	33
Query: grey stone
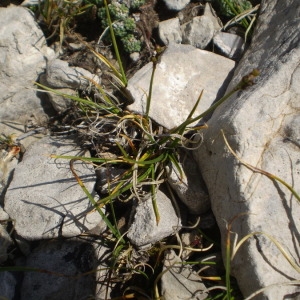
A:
65	263
189	186
259	124
60	75
23	55
23	50
177	87
144	229
210	12
24	104
61	103
176	5
179	281
169	31
198	32
103	256
229	44
44	197
7	285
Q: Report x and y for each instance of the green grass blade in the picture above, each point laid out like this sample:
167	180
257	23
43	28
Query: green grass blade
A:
114	231
124	79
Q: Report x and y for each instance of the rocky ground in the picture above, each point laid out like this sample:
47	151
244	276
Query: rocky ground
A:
55	246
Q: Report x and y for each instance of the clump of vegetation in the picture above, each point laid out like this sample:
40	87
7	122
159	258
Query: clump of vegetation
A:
237	12
232	8
123	24
58	16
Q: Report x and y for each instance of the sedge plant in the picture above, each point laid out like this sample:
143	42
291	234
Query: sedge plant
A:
58	16
139	146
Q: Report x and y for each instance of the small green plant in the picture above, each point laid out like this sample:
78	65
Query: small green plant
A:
231	8
123	24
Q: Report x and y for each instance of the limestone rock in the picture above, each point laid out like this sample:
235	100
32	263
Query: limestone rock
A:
210	12
60	75
198	32
23	105
262	126
176	4
23	55
179	280
169	31
44	197
181	74
144	230
23	50
61	103
229	44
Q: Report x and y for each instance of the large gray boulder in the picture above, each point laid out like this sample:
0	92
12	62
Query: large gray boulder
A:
44	198
23	50
262	126
23	56
182	72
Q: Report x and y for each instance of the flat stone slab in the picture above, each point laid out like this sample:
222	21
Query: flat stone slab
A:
181	74
44	198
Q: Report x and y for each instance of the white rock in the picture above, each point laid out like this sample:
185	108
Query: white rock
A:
262	126
144	230
176	4
229	44
60	75
198	32
182	73
169	31
23	55
210	12
23	50
44	198
179	280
